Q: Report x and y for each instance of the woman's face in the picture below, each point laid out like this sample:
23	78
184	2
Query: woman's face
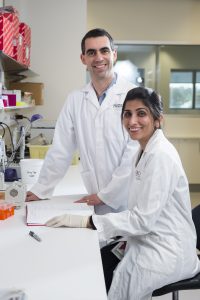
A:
139	122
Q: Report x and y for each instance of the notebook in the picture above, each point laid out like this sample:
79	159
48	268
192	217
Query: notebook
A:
39	212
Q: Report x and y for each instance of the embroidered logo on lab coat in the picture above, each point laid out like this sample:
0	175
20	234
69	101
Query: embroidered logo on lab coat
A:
117	106
138	175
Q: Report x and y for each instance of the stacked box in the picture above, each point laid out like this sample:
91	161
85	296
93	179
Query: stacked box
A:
6	33
18	49
25	32
15	37
9	33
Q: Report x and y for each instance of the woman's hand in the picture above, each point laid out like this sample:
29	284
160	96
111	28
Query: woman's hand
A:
31	196
90	200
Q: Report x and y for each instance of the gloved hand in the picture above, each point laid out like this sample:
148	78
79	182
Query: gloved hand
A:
68	221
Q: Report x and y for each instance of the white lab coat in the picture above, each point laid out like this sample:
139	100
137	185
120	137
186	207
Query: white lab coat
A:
160	234
102	144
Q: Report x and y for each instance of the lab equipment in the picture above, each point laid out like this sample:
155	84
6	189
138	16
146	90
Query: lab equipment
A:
44	127
2	183
16	194
30	170
12	294
19	136
6	210
3	157
22	145
11	175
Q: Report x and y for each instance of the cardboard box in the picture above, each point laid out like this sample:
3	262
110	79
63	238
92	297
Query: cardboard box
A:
36	88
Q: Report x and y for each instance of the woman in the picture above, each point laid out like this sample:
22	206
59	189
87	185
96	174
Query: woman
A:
158	227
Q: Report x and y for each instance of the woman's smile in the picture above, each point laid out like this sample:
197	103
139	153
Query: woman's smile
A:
138	121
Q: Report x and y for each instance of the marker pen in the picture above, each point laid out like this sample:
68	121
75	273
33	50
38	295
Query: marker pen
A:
35	236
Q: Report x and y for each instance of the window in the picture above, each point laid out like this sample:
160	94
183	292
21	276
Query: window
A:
184	89
197	90
181	89
172	70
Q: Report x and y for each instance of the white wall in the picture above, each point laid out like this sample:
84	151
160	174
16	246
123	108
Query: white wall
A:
57	29
147	20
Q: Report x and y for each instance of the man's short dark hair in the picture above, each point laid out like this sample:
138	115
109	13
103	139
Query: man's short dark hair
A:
96	33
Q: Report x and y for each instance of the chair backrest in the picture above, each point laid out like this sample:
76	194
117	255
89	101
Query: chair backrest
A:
196	220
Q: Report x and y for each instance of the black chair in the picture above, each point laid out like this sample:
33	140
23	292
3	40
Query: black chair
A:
196	220
187	284
174	288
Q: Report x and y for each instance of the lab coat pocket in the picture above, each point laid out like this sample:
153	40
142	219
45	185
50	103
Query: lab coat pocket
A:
158	254
90	181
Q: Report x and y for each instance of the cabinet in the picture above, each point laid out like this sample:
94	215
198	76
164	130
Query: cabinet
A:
189	151
183	132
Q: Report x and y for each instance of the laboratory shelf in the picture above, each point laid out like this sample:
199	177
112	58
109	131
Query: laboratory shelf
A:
10	65
13	69
8	108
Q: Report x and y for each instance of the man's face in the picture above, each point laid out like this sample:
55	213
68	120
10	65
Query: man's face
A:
99	57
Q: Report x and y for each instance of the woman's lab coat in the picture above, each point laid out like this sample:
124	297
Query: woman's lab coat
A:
97	133
160	234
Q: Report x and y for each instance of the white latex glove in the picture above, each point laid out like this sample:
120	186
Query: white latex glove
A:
68	221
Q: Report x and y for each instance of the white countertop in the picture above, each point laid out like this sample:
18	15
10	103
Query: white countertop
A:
65	265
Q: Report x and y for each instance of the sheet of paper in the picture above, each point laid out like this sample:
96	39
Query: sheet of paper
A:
38	213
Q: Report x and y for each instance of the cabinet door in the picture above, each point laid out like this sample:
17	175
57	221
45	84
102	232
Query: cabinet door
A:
189	151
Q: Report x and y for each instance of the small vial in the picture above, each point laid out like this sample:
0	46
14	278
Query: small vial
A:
1	181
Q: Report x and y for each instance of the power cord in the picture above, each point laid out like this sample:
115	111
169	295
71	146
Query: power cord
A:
3	130
20	117
1	124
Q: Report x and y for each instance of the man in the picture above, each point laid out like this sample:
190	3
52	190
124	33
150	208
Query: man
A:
90	121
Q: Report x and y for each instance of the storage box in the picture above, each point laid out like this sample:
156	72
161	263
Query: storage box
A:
25	33
39	151
6	34
11	99
36	88
18	49
17	94
9	32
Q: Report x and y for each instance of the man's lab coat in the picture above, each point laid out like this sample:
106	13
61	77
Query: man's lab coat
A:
105	149
158	227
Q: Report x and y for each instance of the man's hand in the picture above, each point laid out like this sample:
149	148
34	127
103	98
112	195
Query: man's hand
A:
73	221
90	200
31	197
